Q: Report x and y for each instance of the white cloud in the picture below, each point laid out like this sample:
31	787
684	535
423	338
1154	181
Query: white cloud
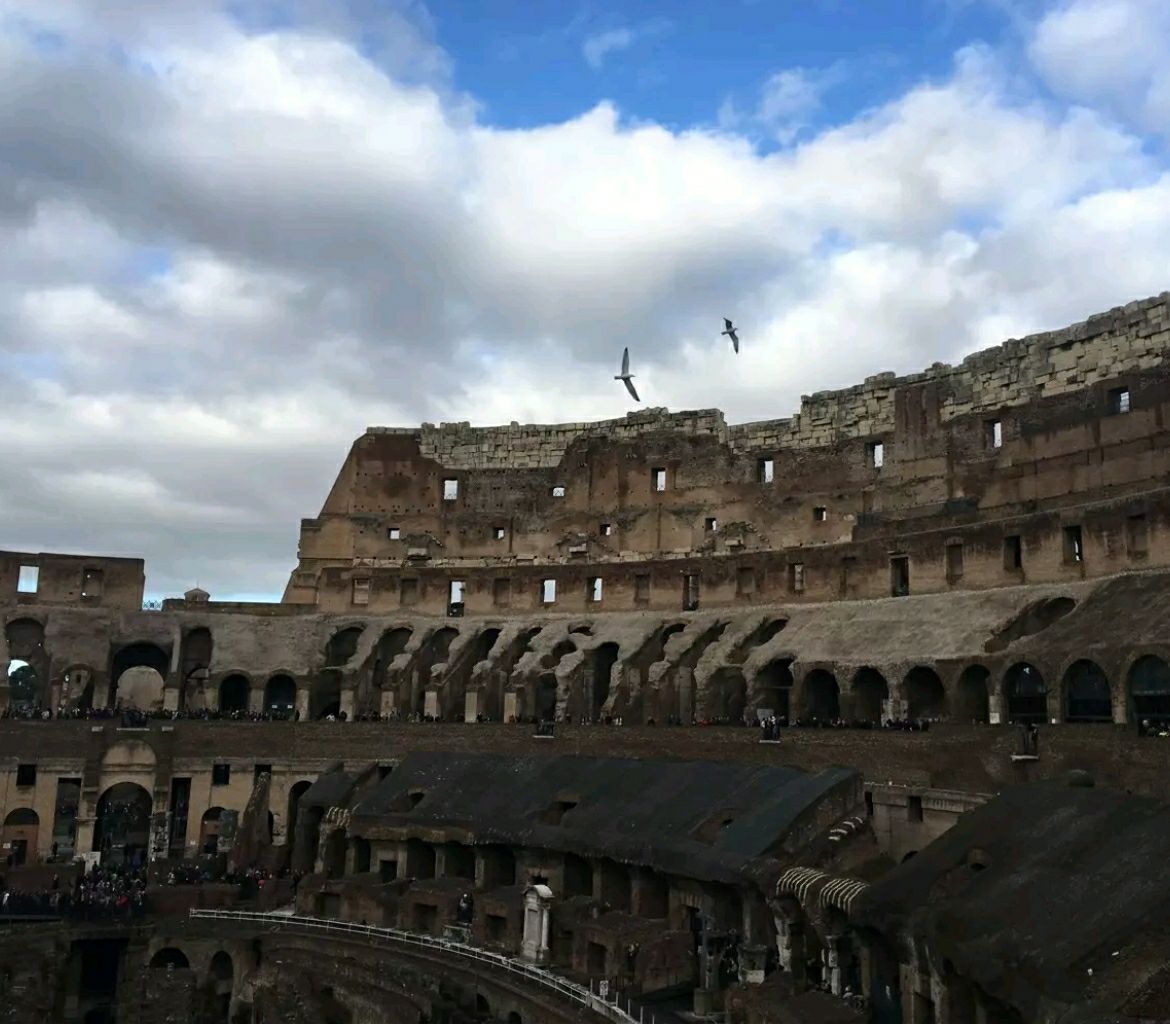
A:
597	46
346	245
1111	53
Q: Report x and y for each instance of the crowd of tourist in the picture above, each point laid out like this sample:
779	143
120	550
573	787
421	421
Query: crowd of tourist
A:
1157	727
101	893
134	717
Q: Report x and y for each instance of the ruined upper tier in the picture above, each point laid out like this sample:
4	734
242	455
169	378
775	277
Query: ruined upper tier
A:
1040	460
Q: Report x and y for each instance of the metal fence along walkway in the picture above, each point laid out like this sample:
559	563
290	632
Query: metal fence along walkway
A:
608	1008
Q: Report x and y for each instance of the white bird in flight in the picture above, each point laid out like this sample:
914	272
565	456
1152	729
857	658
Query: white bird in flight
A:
729	330
626	377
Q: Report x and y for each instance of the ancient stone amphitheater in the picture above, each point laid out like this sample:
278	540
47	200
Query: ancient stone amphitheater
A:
852	716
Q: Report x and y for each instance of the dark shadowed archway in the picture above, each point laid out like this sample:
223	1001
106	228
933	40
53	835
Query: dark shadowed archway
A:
1026	694
870	692
774	688
727	695
280	696
122	828
1149	689
926	697
1088	695
233	693
973	702
822	696
137	655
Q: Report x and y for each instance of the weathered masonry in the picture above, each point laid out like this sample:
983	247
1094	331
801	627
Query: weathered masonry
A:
1042	460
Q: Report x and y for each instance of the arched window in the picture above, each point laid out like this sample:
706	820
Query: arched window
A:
870	692
1088	695
170	958
925	695
280	697
1027	694
973	703
822	696
122	829
233	693
1149	688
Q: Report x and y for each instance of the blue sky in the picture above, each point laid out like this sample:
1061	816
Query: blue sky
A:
231	242
526	62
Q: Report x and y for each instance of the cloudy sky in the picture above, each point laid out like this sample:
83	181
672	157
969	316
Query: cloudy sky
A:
233	237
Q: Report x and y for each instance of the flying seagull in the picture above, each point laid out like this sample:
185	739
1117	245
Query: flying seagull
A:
626	377
729	330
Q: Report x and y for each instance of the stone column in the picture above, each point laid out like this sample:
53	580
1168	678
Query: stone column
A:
470	706
83	842
256	698
347	702
389	703
537	904
511	706
303	701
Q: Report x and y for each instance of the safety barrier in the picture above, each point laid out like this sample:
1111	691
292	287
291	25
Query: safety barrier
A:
606	1006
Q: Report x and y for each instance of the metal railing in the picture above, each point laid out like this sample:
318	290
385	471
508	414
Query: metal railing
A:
606	1006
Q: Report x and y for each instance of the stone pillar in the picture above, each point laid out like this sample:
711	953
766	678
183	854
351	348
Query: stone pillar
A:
256	698
170	698
389	703
303	701
431	703
996	705
537	906
83	842
832	957
790	939
471	706
347	702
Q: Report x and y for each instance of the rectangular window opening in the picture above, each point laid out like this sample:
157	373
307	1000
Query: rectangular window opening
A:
954	561
1074	545
1137	540
1119	401
26	774
765	470
914	808
558	491
501	591
899	576
361	591
498	532
221	774
91	583
605	529
28	579
408	591
658	474
455	591
796	577
450	489
393	533
745	581
1013	553
877	454
548	591
820	514
993	433
595	589
711	525
691	592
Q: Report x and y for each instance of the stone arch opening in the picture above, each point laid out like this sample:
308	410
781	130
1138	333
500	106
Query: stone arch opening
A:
170	958
727	699
391	644
515	1018
342	646
280	697
195	654
600	677
325	699
774	688
24	687
546	697
221	979
822	696
233	693
122	829
483	645
137	655
926	697
482	1007
20	833
28	669
759	636
294	798
1026	694
435	651
209	830
973	698
870	693
1149	689
562	649
1087	693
